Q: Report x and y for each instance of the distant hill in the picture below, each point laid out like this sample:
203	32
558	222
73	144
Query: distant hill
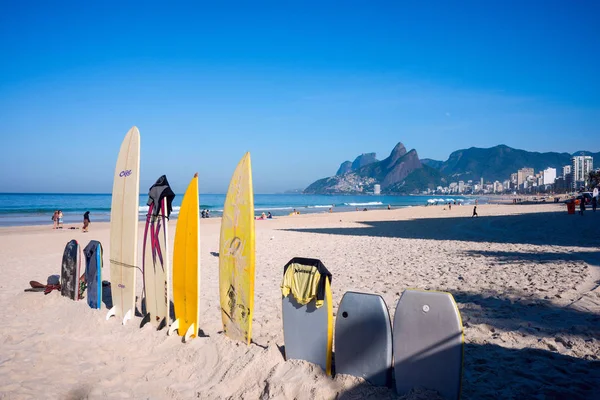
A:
404	172
359	162
435	164
596	156
497	163
392	173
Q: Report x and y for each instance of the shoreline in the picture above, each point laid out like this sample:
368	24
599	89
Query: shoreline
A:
77	223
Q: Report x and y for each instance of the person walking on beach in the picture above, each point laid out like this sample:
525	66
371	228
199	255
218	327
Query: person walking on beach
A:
60	219
86	221
475	212
55	219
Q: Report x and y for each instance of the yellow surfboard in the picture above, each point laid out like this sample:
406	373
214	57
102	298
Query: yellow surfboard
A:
237	255
186	264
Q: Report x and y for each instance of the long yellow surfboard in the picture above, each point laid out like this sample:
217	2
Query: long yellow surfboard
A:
124	227
186	264
237	255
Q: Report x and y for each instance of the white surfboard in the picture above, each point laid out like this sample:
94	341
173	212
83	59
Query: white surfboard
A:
124	227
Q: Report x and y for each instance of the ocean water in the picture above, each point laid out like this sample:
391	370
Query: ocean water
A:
37	208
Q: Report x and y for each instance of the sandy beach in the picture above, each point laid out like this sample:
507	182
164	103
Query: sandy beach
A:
525	278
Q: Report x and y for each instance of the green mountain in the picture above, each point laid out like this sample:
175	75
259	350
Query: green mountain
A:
359	162
401	172
435	164
404	172
595	156
419	180
497	163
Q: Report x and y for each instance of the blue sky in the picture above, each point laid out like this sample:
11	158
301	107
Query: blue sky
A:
302	85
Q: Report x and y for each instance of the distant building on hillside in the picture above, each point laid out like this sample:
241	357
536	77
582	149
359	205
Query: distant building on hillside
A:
549	175
560	185
582	165
461	187
522	175
377	189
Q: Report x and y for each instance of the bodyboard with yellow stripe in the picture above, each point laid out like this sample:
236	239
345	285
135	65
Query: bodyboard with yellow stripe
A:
307	310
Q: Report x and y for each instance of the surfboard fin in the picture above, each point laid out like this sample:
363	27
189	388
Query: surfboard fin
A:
190	332
111	313
174	327
162	324
145	320
127	317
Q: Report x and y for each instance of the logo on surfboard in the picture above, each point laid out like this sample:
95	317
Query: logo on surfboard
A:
125	173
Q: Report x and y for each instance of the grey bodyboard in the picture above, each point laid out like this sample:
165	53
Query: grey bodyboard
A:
69	275
428	343
305	329
363	338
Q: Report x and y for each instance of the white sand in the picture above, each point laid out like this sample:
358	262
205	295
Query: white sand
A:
524	277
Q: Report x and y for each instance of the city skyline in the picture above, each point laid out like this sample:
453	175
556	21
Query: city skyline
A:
526	179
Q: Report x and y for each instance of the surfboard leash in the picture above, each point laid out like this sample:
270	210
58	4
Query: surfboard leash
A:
125	265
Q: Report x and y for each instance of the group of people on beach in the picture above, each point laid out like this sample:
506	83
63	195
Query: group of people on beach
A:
265	216
205	213
57	218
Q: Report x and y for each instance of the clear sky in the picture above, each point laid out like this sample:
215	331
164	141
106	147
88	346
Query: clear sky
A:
302	85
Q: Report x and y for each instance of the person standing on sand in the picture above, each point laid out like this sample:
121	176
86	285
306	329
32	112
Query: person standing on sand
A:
594	203
475	212
86	221
582	206
60	219
55	219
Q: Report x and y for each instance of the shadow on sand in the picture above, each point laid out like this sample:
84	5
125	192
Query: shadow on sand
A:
107	295
515	257
537	318
495	372
540	228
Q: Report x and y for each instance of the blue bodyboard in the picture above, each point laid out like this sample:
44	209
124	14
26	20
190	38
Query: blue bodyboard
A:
93	273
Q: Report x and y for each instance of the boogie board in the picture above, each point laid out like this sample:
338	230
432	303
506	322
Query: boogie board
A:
428	343
70	271
155	259
308	327
363	338
186	264
237	255
93	273
124	227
